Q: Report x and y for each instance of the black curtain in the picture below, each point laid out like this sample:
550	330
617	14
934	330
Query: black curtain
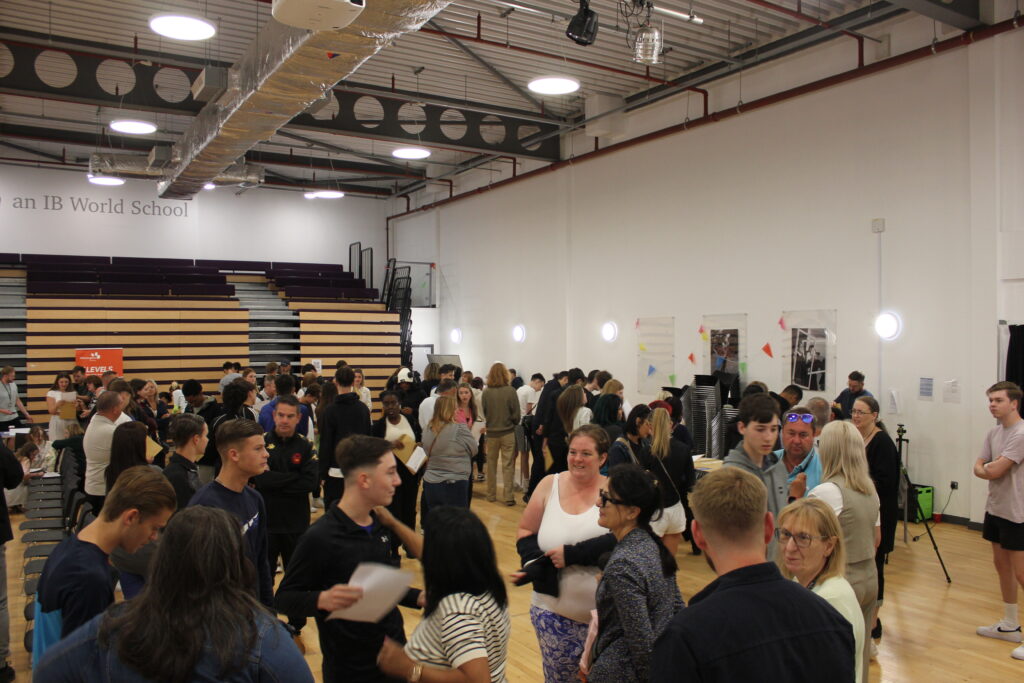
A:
1015	357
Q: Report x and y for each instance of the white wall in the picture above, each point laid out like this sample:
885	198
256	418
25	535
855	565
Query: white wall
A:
263	225
766	212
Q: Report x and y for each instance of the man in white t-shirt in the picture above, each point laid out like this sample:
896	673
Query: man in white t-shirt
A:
1000	463
528	395
98	438
446	387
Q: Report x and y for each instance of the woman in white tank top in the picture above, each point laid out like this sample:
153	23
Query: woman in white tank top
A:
563	511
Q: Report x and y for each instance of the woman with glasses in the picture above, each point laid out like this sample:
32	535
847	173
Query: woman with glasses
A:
637	595
847	488
563	511
812	552
884	468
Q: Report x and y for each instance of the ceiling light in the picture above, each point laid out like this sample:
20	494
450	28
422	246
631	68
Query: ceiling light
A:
582	28
456	335
209	186
108	180
411	153
685	16
609	331
324	194
647	48
133	126
519	334
182	26
554	85
888	325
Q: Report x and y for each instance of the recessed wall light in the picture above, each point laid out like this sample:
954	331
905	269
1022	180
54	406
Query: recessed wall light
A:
554	85
182	26
456	335
888	325
519	334
133	126
609	331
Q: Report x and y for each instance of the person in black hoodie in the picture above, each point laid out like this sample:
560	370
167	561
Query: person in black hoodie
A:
10	476
543	413
189	435
410	392
346	416
286	487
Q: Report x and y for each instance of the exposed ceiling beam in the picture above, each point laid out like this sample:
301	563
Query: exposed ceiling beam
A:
29	150
963	14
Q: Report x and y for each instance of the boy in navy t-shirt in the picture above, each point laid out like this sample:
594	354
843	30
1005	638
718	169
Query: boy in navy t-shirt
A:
76	583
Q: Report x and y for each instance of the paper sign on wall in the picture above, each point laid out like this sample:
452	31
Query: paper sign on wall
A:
98	361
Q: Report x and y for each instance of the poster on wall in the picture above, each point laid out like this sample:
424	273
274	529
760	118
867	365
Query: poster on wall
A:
98	361
809	341
724	339
655	356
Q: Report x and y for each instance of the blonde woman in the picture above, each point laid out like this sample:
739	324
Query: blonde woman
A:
501	412
361	390
450	446
813	553
847	488
672	467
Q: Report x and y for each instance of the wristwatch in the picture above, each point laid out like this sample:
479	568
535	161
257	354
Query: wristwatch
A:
417	671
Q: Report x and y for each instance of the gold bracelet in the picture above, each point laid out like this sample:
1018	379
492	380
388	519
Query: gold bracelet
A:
417	671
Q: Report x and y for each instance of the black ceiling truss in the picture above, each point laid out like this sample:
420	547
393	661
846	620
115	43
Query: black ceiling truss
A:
443	125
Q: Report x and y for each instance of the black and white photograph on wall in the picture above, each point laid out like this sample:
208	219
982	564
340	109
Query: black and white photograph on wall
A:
807	361
725	349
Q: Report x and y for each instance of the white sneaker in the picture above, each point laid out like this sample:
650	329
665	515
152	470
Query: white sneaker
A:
1018	652
1002	631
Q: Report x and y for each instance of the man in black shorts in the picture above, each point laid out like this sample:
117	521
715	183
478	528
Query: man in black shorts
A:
1000	463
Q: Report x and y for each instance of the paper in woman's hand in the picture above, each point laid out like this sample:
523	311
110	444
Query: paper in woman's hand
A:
383	586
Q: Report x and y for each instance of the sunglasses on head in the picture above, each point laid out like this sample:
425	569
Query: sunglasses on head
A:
799	417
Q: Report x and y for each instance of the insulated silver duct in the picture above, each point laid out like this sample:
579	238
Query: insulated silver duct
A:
135	166
284	71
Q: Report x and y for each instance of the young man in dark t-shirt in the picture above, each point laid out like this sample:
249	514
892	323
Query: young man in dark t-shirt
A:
76	583
243	455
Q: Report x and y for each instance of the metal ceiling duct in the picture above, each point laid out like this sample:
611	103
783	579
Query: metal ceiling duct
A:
283	71
138	166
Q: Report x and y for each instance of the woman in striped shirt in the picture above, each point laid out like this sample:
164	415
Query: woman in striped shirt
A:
465	630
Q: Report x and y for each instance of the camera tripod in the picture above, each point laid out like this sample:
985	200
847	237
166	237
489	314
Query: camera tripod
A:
910	501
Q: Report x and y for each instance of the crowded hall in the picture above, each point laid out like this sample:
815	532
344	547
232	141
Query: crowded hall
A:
325	354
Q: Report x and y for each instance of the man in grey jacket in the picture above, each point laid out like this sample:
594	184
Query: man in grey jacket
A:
758	423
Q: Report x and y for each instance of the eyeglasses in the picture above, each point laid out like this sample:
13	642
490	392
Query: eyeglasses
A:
860	412
605	499
799	417
783	536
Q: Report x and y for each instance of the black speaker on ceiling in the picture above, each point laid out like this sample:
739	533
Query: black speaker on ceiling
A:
582	28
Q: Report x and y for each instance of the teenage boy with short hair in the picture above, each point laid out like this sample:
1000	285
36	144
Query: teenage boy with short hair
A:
243	455
349	533
758	424
1000	463
76	583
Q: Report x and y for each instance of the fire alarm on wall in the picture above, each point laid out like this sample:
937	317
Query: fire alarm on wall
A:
317	15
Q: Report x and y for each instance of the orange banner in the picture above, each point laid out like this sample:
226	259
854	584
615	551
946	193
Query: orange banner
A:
98	361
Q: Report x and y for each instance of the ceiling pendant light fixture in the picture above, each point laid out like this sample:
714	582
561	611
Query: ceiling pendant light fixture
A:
133	126
647	47
180	26
324	194
209	186
105	180
554	85
411	153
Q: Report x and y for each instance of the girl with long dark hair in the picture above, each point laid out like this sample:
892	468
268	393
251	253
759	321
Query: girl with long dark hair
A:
196	620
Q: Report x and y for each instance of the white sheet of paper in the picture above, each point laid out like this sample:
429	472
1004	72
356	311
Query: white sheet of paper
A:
477	429
68	396
416	460
383	586
50	475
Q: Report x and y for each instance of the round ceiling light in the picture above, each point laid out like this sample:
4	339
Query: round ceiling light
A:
456	335
609	331
182	26
888	325
133	126
324	194
411	153
554	85
107	180
209	186
519	334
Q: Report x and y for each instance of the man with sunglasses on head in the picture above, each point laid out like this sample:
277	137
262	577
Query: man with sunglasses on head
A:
798	455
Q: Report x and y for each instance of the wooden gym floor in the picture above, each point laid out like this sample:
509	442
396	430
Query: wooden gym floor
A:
929	625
